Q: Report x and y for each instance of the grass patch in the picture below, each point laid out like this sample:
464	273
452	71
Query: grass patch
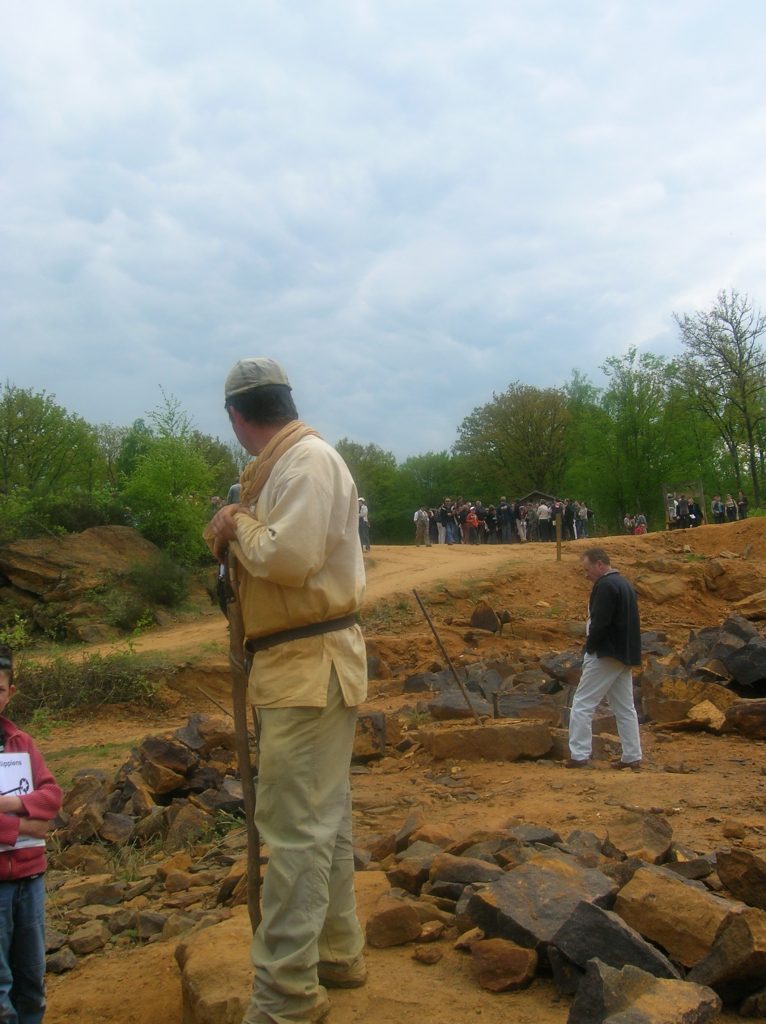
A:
91	681
389	615
66	763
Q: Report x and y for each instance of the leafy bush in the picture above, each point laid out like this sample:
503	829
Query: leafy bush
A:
91	681
15	633
161	581
123	608
77	510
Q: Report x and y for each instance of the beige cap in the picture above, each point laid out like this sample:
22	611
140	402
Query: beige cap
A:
254	373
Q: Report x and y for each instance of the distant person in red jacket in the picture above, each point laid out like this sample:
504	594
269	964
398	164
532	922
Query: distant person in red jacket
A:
29	800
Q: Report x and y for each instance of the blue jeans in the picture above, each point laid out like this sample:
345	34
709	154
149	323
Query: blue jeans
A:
22	951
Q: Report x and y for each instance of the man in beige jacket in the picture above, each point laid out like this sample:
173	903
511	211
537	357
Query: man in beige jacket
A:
301	580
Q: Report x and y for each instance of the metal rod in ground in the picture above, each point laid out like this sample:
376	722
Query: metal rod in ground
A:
447	658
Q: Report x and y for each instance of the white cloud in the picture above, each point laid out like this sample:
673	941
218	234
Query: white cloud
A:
410	205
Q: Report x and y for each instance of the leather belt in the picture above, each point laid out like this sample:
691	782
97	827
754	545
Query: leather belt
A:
262	643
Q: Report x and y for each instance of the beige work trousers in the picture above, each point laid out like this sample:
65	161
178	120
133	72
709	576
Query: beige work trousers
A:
303	814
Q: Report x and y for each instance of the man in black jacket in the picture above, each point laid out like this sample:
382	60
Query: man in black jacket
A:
613	645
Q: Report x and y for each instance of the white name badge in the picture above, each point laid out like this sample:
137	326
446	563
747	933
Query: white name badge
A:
16	780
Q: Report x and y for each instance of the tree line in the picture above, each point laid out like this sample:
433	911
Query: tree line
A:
655	422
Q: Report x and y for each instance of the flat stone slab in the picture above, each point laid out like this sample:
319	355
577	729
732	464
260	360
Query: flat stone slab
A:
494	741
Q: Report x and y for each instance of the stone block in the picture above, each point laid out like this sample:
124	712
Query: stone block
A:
494	741
635	834
736	964
631	996
591	932
216	973
533	901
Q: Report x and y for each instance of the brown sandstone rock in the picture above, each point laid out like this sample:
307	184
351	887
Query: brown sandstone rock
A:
632	834
743	872
753	607
531	902
670	699
187	825
89	938
427	955
484	617
216	973
748	717
494	741
675	914
91	860
60	567
502	966
392	924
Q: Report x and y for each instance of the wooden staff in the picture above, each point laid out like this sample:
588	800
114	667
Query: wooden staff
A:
443	649
239	703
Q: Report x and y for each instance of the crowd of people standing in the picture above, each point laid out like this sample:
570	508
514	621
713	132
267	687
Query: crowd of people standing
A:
461	521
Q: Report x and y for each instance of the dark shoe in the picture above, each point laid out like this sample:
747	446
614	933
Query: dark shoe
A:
351	975
635	766
574	762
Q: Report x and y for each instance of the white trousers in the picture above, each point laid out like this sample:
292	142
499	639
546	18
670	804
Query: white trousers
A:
303	813
604	677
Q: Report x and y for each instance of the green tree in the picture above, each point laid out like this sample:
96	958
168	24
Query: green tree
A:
42	446
172	479
375	474
518	441
724	373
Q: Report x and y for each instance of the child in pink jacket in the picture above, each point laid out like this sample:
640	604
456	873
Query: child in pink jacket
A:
29	800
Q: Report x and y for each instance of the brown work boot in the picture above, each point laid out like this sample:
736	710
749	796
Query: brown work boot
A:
351	975
635	766
574	762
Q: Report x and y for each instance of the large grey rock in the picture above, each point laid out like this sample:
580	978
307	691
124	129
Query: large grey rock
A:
748	664
631	996
736	964
527	704
451	704
533	901
591	932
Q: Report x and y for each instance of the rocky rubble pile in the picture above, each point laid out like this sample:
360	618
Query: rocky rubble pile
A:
714	683
628	922
168	795
96	906
170	788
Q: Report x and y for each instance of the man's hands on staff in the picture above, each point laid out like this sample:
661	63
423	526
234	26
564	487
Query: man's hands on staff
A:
224	529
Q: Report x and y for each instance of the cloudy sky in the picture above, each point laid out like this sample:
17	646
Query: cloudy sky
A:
408	204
